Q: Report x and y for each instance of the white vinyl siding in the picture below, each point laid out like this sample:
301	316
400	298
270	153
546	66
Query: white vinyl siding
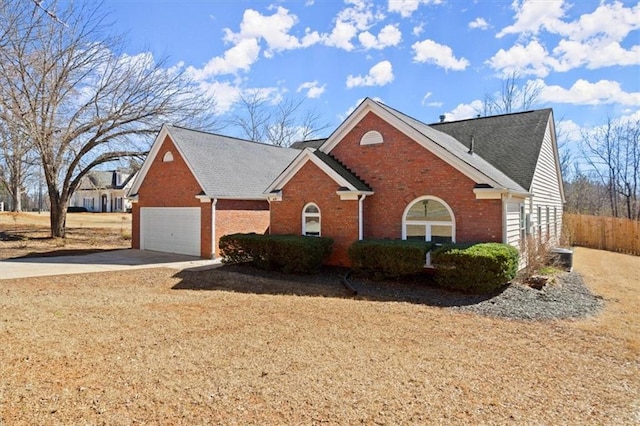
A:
170	229
513	225
545	187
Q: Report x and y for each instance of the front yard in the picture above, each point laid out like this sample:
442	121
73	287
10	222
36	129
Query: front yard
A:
133	347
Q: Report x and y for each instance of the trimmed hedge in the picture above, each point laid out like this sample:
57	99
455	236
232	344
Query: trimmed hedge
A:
389	258
481	268
288	253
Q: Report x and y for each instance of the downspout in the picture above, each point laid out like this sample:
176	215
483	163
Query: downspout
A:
213	227
360	216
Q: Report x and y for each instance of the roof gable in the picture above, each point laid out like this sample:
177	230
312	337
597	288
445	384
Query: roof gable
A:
344	177
223	166
439	143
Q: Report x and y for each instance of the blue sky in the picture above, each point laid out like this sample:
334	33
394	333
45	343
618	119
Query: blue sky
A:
423	57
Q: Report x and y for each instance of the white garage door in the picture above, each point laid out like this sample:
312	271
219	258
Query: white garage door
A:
170	229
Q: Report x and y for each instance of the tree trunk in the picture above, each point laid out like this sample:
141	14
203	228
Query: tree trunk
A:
58	216
16	197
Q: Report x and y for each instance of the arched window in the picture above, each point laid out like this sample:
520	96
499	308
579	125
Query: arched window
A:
429	219
168	157
311	220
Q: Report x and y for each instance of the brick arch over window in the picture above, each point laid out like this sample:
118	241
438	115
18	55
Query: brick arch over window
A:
429	218
311	223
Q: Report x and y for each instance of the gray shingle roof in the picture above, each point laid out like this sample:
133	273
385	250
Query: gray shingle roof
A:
510	142
456	147
229	167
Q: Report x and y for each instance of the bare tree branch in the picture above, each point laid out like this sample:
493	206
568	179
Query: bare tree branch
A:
78	99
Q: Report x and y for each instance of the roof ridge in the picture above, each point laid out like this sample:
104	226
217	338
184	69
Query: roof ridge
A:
492	116
227	137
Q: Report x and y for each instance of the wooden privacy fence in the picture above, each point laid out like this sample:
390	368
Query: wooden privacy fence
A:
604	233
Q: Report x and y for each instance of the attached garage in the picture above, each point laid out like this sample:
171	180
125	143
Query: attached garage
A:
194	187
170	229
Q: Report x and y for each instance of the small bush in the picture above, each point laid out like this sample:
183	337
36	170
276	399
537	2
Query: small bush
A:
389	258
481	268
288	253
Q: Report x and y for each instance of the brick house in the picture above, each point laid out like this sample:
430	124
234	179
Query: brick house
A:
383	174
195	187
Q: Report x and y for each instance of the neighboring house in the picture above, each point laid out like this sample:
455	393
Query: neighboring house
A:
103	191
195	187
383	174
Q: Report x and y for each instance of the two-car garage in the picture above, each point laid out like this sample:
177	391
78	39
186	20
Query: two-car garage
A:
170	229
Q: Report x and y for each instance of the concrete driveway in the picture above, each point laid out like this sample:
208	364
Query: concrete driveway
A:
114	260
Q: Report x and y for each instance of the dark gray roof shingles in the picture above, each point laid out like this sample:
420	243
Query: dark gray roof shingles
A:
229	167
509	142
344	172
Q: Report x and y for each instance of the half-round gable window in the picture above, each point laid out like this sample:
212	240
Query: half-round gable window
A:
371	138
168	156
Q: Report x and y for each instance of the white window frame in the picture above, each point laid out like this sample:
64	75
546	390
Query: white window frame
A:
428	223
306	215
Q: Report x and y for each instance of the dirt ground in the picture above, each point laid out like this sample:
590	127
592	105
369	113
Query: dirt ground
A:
141	347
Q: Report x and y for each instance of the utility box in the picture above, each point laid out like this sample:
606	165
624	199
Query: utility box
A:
563	257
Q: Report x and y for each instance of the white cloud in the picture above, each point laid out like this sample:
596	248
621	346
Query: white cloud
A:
610	22
431	52
238	58
464	111
358	17
530	59
531	16
390	35
479	23
586	93
418	29
406	7
596	54
224	93
314	90
568	130
593	40
379	75
273	29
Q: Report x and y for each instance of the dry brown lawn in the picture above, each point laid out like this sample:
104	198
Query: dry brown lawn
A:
128	348
28	234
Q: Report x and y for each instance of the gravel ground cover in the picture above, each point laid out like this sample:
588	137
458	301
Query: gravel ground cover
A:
224	347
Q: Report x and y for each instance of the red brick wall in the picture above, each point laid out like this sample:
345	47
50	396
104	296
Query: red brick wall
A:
339	219
171	184
400	170
244	216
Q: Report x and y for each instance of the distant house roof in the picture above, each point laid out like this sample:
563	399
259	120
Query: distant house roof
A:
228	167
509	142
105	179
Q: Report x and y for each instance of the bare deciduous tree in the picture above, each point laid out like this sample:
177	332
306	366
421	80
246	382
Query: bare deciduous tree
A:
279	123
613	153
17	159
78	99
512	97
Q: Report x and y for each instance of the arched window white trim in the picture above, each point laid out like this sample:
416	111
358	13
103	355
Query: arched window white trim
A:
311	224
372	137
439	225
168	157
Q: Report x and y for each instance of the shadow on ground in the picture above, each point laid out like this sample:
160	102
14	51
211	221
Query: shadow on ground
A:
326	283
60	253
